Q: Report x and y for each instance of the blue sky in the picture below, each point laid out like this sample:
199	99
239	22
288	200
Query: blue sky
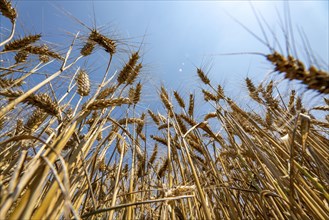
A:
180	35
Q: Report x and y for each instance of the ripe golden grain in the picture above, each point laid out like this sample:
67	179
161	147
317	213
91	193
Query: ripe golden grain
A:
105	42
181	124
295	69
188	119
105	93
42	100
137	93
253	93
45	102
179	99
154	117
220	92
21	56
88	48
165	99
291	104
83	83
154	154
105	103
196	146
127	70
208	96
321	108
133	75
140	125
210	115
42	50
7	10
44	58
35	120
20	43
4	83
163	168
130	121
191	105
159	139
203	76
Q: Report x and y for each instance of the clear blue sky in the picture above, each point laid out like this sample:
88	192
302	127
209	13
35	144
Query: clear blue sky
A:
181	34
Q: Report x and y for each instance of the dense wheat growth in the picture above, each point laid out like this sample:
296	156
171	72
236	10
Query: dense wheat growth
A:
71	148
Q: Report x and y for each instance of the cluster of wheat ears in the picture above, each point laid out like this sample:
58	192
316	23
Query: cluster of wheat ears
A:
70	155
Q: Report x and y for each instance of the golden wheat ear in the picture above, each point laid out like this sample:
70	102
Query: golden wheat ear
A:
83	83
7	10
204	78
88	48
42	50
128	69
292	68
108	44
20	43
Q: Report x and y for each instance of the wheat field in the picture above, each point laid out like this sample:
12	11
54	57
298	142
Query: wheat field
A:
72	148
